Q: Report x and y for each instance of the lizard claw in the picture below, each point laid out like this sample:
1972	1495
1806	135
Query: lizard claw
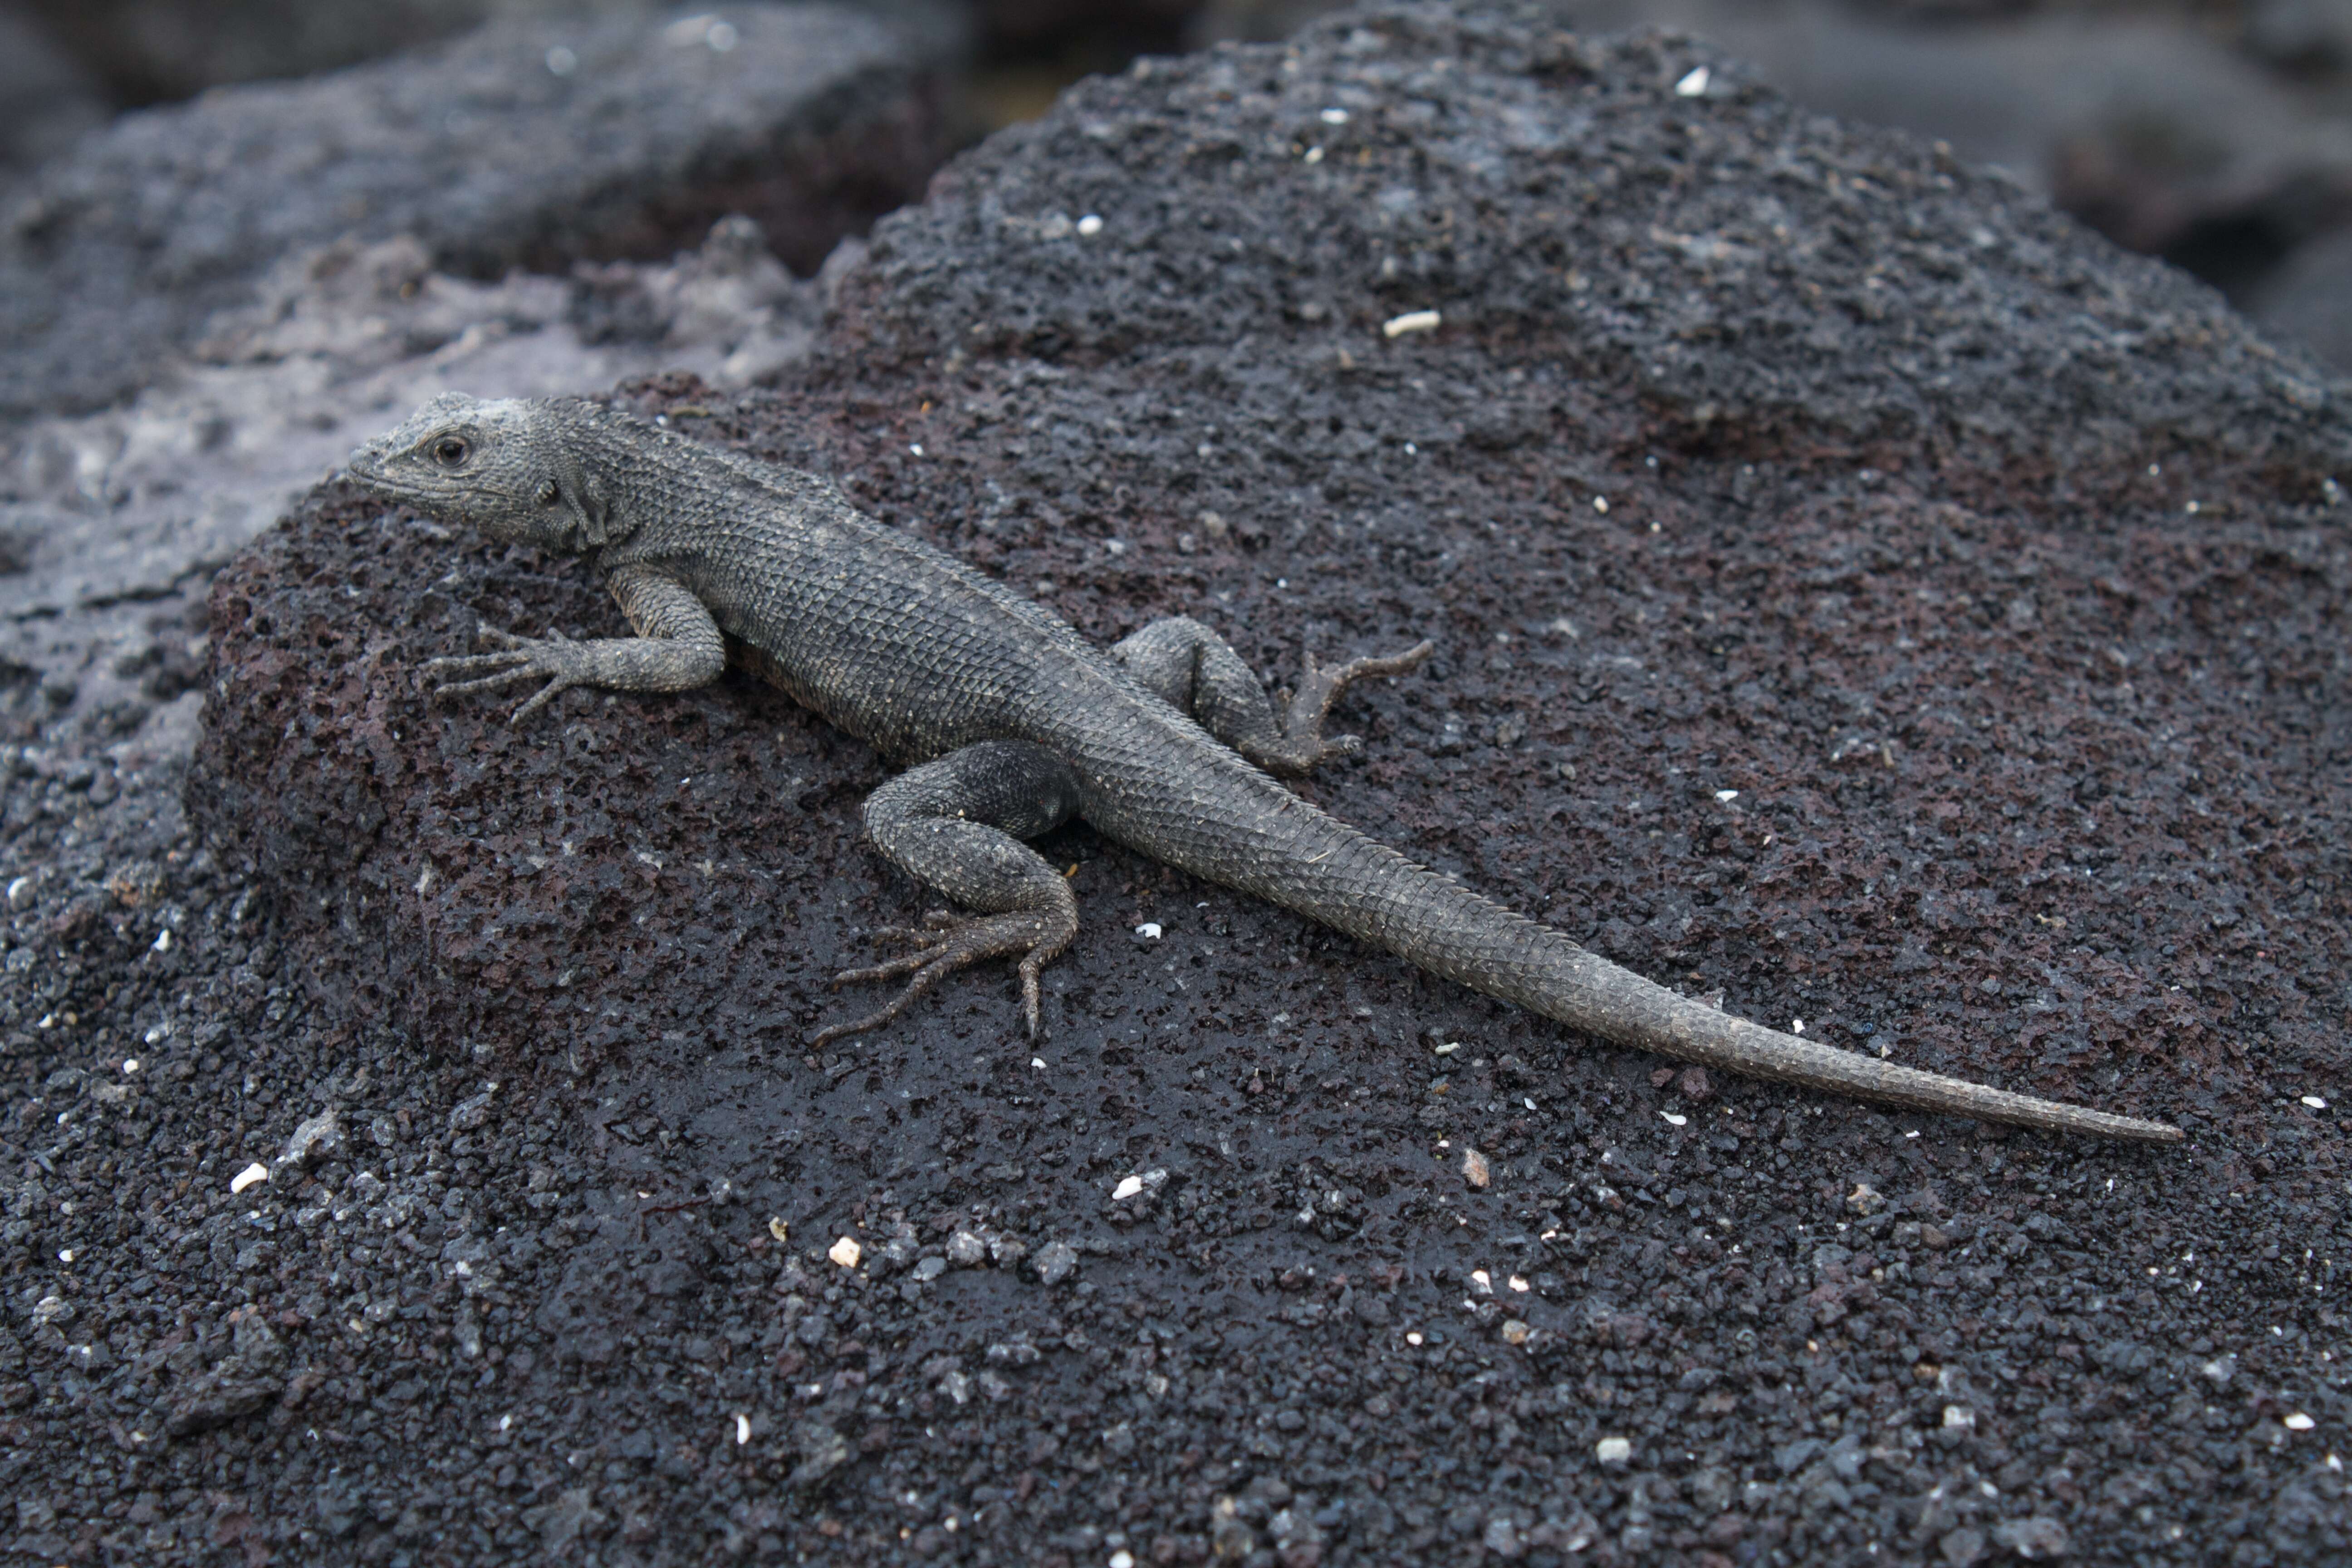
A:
516	659
1304	710
955	941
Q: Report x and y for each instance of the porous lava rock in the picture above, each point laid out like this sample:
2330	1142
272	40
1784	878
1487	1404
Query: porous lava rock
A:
1859	592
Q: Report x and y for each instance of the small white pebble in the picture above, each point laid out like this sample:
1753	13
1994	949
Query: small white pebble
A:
1122	1560
20	893
162	941
2193	508
1335	117
155	1035
915	448
1481	1281
506	1423
1694	83
131	1064
779	1229
1726	795
1448	1048
1526	1101
1314	156
1037	1062
1413	1338
1601	505
1410	322
1126	1188
846	1252
257	1171
1149	931
1613	1451
2298	1421
1089	227
1959	1415
1910	1134
1797	1026
1674	1120
2314	1102
67	1256
1519	1284
561	61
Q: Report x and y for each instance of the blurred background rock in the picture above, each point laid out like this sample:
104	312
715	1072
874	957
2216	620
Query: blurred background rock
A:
2216	133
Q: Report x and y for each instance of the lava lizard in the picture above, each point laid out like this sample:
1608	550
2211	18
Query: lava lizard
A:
1011	724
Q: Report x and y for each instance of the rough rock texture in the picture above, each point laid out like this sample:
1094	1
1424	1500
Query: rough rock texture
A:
620	138
1859	590
114	522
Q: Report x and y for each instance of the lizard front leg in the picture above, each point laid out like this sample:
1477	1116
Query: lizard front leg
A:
677	648
1191	667
957	824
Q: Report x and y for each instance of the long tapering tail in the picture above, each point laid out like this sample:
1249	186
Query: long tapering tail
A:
1334	874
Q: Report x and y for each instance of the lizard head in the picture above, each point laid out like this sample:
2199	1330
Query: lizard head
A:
500	467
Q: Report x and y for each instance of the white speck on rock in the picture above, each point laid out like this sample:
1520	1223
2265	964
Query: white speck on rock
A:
1127	1189
257	1171
2315	1102
1674	1120
1335	117
2298	1421
846	1252
1613	1451
1726	795
1089	227
742	1429
1694	83
1410	322
1149	931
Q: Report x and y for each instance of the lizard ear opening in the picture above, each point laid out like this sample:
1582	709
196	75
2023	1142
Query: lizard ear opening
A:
590	512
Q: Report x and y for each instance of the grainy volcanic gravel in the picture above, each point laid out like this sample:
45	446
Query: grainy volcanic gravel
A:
1859	592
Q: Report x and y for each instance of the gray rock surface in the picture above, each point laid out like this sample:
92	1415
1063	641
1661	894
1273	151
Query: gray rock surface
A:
1956	665
113	521
46	99
527	144
2307	304
148	50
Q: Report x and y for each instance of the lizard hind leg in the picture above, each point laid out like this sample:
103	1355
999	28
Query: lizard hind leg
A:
956	825
1189	665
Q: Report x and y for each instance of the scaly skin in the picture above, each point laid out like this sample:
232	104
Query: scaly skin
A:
1010	724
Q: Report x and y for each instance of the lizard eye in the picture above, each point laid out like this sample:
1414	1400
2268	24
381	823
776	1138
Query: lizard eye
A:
451	451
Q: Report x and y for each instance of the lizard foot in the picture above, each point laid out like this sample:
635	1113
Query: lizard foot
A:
553	659
955	941
1304	710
